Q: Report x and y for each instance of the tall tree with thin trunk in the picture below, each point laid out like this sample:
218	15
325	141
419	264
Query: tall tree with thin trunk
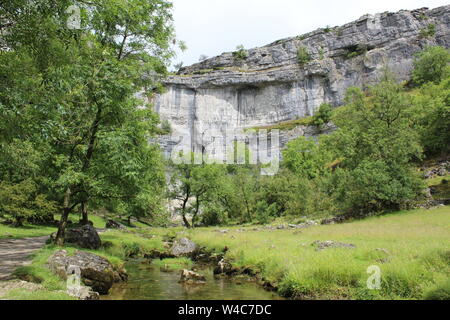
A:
85	105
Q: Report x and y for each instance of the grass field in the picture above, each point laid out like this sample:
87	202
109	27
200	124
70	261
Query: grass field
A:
26	231
412	250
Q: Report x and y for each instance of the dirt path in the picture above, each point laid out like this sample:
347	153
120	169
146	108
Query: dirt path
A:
16	253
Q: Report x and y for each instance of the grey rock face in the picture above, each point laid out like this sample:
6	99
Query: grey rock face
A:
206	99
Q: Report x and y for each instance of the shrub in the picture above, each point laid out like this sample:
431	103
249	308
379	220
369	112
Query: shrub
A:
166	128
322	53
429	31
375	186
356	50
432	113
303	56
22	202
305	158
132	249
264	212
241	53
323	115
440	293
431	65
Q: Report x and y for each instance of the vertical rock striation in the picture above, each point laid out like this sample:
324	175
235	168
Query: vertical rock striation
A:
270	86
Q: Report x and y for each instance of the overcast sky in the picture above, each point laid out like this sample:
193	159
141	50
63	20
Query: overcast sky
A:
211	27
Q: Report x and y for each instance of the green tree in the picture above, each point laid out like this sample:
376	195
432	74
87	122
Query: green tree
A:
377	144
323	115
22	202
306	158
194	186
431	65
80	91
432	114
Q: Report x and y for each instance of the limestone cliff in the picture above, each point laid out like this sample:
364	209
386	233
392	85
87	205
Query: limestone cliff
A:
271	86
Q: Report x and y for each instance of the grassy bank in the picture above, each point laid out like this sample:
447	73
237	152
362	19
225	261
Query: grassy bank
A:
26	231
411	248
117	246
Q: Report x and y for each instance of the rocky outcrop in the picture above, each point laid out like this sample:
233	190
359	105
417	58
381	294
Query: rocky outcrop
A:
183	247
95	271
441	169
206	100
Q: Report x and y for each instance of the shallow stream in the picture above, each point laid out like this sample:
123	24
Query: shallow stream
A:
147	282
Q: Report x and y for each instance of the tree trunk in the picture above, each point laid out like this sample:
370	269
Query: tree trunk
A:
18	222
64	218
84	214
183	212
197	209
186	222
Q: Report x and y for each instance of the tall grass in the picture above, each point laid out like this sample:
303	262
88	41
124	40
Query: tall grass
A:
414	259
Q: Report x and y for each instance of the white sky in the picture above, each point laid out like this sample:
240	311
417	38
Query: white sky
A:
211	27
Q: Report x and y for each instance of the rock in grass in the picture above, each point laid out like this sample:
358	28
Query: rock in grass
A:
83	293
322	245
191	277
84	237
224	267
95	271
183	248
6	286
111	224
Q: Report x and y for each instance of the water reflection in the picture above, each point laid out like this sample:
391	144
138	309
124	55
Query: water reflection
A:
150	283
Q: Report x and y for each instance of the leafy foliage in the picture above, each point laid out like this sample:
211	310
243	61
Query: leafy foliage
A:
78	100
22	203
303	56
241	53
429	31
431	65
323	115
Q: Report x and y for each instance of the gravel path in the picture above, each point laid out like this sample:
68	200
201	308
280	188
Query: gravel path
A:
16	253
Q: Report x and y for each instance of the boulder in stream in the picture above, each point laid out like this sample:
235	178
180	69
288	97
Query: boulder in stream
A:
191	277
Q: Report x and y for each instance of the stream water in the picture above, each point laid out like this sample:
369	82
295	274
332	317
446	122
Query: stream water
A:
147	282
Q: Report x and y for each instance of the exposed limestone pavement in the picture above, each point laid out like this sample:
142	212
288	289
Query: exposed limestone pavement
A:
15	253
